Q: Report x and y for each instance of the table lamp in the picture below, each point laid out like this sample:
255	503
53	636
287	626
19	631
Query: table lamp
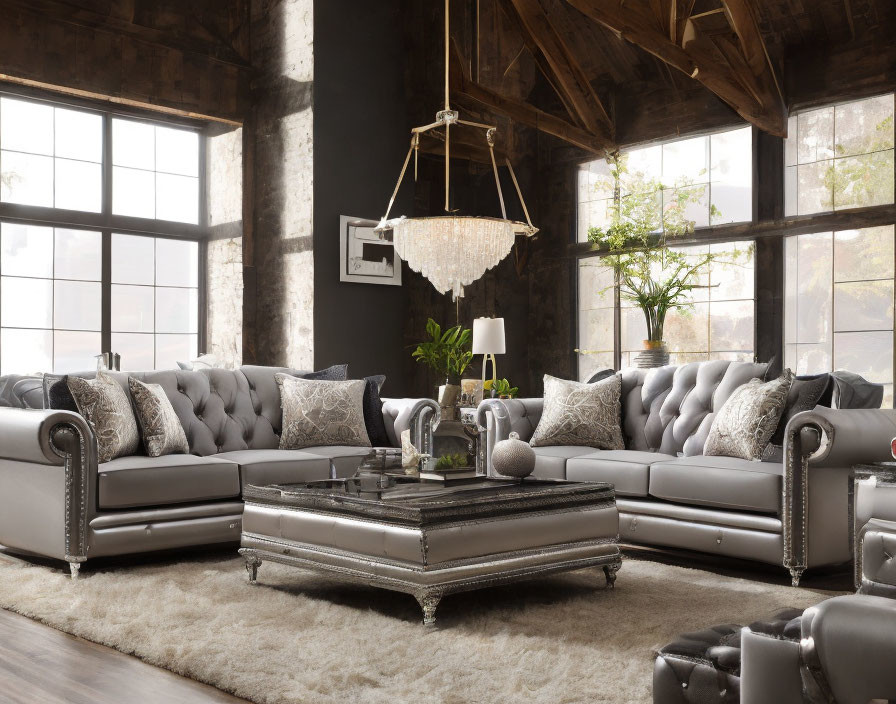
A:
488	340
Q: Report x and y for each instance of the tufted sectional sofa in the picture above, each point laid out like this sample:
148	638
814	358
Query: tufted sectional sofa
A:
58	502
793	513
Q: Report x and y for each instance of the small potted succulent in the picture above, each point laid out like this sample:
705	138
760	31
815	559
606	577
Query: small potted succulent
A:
501	388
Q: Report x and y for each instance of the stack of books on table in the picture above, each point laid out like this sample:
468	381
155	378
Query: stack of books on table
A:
448	474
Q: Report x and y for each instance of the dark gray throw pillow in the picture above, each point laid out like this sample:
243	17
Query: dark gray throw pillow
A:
806	393
57	395
338	372
373	411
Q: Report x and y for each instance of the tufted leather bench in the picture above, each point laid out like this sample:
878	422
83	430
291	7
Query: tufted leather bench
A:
704	667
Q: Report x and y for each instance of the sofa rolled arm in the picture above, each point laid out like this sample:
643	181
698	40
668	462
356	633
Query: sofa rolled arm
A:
39	436
848	436
55	439
497	418
825	438
420	415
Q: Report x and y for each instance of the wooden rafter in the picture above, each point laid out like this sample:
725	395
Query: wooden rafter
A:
743	78
524	113
568	75
539	57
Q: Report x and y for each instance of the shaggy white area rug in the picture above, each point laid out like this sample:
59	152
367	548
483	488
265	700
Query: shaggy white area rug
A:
296	637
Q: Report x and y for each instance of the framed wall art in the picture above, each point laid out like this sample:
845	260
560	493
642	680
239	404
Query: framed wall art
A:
366	256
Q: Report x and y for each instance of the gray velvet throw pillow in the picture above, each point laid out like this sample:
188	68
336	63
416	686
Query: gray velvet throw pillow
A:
321	413
581	414
107	408
747	421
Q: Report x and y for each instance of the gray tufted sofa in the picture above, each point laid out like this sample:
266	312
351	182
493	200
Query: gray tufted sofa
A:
56	501
793	513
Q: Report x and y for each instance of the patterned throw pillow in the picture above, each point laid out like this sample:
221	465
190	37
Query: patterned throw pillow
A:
581	414
321	413
162	432
747	421
105	405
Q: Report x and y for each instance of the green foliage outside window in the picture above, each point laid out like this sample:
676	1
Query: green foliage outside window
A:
649	273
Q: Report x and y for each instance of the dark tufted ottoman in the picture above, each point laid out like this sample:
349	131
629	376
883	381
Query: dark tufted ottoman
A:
704	666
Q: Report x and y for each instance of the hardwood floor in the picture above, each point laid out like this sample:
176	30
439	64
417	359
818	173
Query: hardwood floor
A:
41	664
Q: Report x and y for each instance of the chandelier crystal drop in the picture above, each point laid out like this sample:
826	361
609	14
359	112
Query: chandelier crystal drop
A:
453	251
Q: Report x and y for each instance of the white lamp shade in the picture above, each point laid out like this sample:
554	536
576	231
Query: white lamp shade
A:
488	336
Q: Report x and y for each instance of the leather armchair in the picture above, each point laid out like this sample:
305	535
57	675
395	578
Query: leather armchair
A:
844	656
875	534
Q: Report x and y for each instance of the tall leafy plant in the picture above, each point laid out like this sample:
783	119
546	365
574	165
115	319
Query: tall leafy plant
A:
448	353
648	272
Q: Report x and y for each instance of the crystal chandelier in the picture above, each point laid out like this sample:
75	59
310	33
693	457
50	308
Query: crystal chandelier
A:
453	251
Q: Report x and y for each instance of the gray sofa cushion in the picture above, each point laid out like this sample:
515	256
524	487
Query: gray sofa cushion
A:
128	482
722	482
345	459
260	467
550	462
627	470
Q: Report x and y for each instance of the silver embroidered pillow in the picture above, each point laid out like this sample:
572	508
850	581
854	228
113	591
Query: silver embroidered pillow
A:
106	406
321	412
747	421
162	432
581	414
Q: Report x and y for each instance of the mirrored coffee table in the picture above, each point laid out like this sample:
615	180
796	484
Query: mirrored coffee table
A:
430	539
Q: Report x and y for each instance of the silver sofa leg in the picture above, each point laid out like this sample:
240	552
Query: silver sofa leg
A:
75	569
795	574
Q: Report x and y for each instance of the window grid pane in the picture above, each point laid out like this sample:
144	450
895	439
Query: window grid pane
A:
839	303
51	300
709	180
155	172
155	301
840	157
50	156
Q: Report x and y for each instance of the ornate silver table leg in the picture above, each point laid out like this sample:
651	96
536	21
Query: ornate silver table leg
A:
610	573
253	562
429	602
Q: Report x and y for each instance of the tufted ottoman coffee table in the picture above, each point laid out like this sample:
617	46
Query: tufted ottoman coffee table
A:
704	667
429	539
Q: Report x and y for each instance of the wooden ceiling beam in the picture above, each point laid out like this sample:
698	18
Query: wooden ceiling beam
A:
539	58
568	74
636	24
742	19
522	112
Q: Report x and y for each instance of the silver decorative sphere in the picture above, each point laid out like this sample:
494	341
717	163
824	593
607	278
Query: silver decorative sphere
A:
513	457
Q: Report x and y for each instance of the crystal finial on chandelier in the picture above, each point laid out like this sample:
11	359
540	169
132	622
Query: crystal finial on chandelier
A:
453	251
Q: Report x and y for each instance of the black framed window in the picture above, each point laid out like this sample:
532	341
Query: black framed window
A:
102	219
716	322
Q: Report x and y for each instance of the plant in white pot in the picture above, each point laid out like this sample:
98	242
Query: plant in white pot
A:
649	273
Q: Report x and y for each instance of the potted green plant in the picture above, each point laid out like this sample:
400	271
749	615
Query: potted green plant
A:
448	353
501	388
648	272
